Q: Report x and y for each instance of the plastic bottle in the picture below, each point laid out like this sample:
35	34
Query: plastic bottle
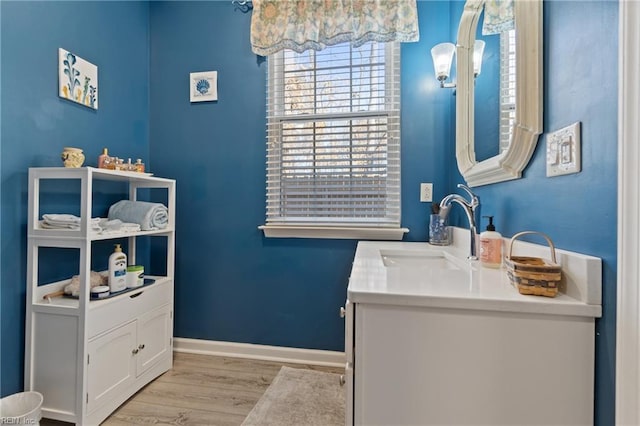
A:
491	246
117	270
102	158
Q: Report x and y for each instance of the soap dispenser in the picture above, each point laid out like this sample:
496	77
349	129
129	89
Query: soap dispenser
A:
491	246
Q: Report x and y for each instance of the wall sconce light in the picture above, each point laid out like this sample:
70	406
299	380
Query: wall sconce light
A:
478	50
442	55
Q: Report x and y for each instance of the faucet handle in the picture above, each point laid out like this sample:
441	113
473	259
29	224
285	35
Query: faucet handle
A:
466	188
475	201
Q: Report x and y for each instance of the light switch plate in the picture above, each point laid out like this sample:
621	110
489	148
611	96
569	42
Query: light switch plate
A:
563	151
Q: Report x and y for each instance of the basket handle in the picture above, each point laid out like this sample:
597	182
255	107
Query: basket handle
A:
519	234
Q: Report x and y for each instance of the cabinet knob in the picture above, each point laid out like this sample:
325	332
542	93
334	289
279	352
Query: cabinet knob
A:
342	380
343	312
135	351
141	347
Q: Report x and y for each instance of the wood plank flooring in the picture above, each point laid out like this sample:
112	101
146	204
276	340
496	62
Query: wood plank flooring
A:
200	390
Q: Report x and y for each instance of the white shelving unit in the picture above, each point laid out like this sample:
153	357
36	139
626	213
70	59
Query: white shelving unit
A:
89	356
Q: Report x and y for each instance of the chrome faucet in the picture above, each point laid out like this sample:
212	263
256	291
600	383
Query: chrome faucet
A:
469	208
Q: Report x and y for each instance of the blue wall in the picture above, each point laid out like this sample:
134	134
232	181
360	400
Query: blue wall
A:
243	287
231	283
37	124
577	211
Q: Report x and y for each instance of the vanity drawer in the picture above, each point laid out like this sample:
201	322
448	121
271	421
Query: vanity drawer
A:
107	314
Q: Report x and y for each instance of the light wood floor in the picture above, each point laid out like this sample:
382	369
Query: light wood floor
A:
199	390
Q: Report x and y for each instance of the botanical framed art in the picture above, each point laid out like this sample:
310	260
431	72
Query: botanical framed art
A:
203	86
77	79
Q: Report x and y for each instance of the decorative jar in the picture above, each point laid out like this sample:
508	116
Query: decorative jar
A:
72	157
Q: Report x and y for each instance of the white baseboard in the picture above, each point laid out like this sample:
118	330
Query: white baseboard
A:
261	352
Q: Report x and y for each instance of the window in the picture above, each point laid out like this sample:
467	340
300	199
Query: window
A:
507	87
333	142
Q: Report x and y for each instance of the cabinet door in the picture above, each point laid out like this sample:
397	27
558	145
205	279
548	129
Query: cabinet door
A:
154	338
111	364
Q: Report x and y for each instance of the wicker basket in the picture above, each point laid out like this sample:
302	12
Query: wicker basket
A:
534	275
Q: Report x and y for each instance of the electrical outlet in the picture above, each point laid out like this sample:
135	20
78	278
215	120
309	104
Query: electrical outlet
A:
426	192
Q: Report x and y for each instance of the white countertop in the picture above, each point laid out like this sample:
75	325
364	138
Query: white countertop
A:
472	286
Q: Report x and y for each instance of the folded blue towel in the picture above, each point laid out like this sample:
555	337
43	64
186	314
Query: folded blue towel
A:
148	215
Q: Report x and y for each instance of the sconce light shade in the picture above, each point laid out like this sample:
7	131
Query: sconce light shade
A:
442	55
478	49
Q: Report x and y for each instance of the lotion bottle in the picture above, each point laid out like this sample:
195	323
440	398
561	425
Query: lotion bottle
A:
102	158
491	246
117	270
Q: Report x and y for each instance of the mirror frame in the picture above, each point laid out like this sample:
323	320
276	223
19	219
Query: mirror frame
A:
508	164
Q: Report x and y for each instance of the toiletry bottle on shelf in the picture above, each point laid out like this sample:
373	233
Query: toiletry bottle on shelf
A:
139	166
117	270
102	158
491	246
112	163
108	163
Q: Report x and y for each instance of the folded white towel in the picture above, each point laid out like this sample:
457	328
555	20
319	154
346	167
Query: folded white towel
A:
117	226
61	218
66	221
148	215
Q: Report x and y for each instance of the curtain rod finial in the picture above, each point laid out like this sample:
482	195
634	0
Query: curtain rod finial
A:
243	5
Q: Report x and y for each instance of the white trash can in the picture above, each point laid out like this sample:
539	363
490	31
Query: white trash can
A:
21	409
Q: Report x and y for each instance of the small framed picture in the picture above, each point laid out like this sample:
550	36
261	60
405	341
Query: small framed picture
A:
77	79
203	86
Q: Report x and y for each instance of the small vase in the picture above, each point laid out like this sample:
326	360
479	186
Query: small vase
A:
72	157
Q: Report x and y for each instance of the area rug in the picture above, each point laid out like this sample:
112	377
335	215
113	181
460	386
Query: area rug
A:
300	397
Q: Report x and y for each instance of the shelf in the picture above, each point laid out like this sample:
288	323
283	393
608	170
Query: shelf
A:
147	282
76	234
87	175
101	174
73	303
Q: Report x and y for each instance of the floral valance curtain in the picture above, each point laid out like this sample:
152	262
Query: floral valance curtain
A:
313	24
498	16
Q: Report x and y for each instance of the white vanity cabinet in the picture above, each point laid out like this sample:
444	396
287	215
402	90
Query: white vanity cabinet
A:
89	356
428	347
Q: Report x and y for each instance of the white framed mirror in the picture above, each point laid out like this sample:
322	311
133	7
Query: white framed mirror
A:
509	163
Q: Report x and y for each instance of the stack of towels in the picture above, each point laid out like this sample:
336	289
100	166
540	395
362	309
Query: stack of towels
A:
98	225
66	221
124	216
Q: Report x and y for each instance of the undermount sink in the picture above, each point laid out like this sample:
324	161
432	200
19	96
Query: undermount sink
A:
433	259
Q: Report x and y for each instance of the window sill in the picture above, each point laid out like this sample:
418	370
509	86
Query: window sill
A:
333	232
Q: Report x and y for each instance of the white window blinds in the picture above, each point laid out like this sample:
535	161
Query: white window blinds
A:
507	87
333	136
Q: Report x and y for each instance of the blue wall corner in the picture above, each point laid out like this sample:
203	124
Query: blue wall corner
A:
37	124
